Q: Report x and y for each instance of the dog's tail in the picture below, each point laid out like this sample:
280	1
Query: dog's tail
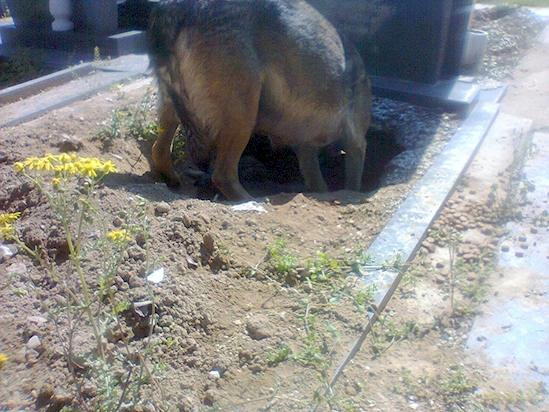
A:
166	21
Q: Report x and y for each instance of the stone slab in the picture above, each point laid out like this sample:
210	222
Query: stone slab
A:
454	95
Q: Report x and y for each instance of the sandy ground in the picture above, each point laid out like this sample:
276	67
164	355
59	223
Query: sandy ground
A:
222	311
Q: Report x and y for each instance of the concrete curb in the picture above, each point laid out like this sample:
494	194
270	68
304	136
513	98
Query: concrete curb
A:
102	76
402	236
35	86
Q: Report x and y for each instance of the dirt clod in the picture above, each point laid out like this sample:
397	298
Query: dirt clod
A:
162	208
69	144
259	327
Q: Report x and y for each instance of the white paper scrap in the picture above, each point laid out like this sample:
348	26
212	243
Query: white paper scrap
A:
251	206
157	276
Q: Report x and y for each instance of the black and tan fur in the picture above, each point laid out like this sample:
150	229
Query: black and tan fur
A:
231	68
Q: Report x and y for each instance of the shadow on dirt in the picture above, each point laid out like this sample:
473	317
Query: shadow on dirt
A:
397	141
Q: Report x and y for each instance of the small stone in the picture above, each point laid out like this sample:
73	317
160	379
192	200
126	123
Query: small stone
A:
259	327
209	243
135	282
439	265
519	254
59	400
161	208
522	239
143	309
31	356
44	395
186	404
7	251
140	239
89	390
533	230
69	144
429	247
117	221
524	246
505	248
34	342
214	375
191	262
136	253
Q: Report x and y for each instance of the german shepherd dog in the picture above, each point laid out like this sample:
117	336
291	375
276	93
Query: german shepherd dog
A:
228	69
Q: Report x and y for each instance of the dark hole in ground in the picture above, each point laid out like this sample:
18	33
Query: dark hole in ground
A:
264	171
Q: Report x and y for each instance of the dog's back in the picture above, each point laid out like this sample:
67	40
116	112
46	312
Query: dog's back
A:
276	67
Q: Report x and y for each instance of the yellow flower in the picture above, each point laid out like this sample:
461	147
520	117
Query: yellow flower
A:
67	165
3	359
19	167
6	231
119	235
56	182
8	218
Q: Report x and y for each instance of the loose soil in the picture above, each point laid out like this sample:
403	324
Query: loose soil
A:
217	280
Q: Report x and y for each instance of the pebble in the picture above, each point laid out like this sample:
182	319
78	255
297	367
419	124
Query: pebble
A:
34	342
505	248
31	356
439	265
524	246
7	251
209	243
136	253
519	254
429	247
69	144
214	375
533	230
161	208
59	401
141	239
522	239
44	395
259	327
135	282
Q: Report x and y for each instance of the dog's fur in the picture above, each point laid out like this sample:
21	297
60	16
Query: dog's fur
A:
230	68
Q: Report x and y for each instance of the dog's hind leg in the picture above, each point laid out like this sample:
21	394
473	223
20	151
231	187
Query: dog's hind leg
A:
162	148
239	121
354	144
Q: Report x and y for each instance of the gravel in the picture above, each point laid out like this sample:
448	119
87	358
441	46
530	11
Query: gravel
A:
511	31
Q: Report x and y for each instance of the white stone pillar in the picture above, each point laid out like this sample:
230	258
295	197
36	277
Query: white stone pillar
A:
61	10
